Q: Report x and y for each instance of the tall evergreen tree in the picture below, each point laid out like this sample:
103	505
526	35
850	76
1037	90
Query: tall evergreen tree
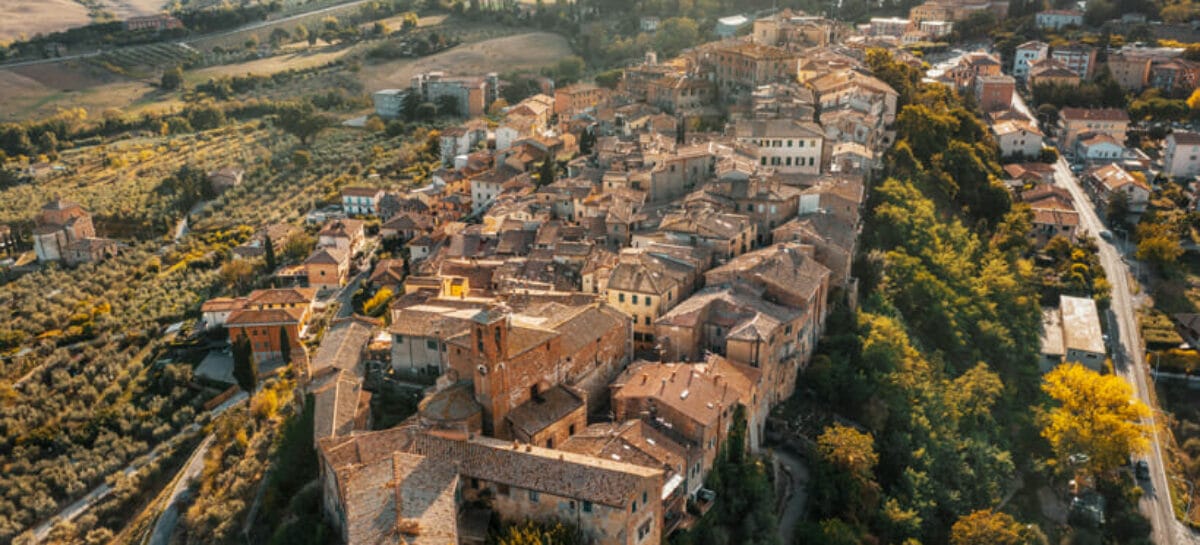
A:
269	252
285	346
245	369
546	172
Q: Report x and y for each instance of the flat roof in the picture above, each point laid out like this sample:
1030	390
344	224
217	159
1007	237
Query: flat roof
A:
1081	325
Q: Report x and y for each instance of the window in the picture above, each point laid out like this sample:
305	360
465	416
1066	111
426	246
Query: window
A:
645	497
587	507
533	496
571	429
644	530
621	297
648	300
634	506
635	299
431	344
647	320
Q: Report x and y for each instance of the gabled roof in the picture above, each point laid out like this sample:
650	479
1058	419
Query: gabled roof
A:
701	391
342	345
270	316
222	304
1113	177
338	397
787	267
1094	114
343	228
551	406
361	192
1185	138
549	471
328	255
282	296
1011	127
632	441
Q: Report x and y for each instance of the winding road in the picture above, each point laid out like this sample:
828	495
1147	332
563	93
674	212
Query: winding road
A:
71	512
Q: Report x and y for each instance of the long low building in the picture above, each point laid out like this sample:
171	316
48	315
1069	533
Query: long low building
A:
407	486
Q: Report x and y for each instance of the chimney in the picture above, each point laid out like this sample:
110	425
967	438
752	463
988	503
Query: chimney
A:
645	378
664	386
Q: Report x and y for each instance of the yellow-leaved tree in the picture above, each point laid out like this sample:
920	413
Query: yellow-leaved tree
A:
987	527
1096	416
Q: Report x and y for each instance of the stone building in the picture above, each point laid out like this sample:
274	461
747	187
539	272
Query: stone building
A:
411	486
59	224
514	358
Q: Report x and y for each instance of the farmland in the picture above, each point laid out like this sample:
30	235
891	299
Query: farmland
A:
23	18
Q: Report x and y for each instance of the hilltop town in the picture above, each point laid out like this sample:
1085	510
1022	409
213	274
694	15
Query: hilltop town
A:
602	273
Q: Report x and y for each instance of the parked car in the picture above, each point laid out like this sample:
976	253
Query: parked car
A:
1106	235
1142	470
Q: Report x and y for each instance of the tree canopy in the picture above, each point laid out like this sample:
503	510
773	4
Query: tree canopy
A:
1094	415
988	527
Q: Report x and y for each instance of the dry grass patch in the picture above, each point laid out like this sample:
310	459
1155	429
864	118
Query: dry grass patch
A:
23	18
521	52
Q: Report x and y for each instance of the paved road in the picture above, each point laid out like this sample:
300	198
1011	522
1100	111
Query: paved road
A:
193	39
1128	361
71	512
794	509
165	525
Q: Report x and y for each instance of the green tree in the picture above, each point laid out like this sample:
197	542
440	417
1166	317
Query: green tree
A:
269	253
569	69
425	111
285	346
302	120
245	369
205	116
609	79
301	33
1116	211
546	172
587	141
172	79
447	105
279	36
298	247
301	158
676	34
1095	415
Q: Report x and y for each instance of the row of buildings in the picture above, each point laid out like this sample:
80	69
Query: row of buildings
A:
593	336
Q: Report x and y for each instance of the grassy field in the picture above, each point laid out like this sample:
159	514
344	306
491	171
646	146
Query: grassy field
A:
24	18
29	95
520	52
